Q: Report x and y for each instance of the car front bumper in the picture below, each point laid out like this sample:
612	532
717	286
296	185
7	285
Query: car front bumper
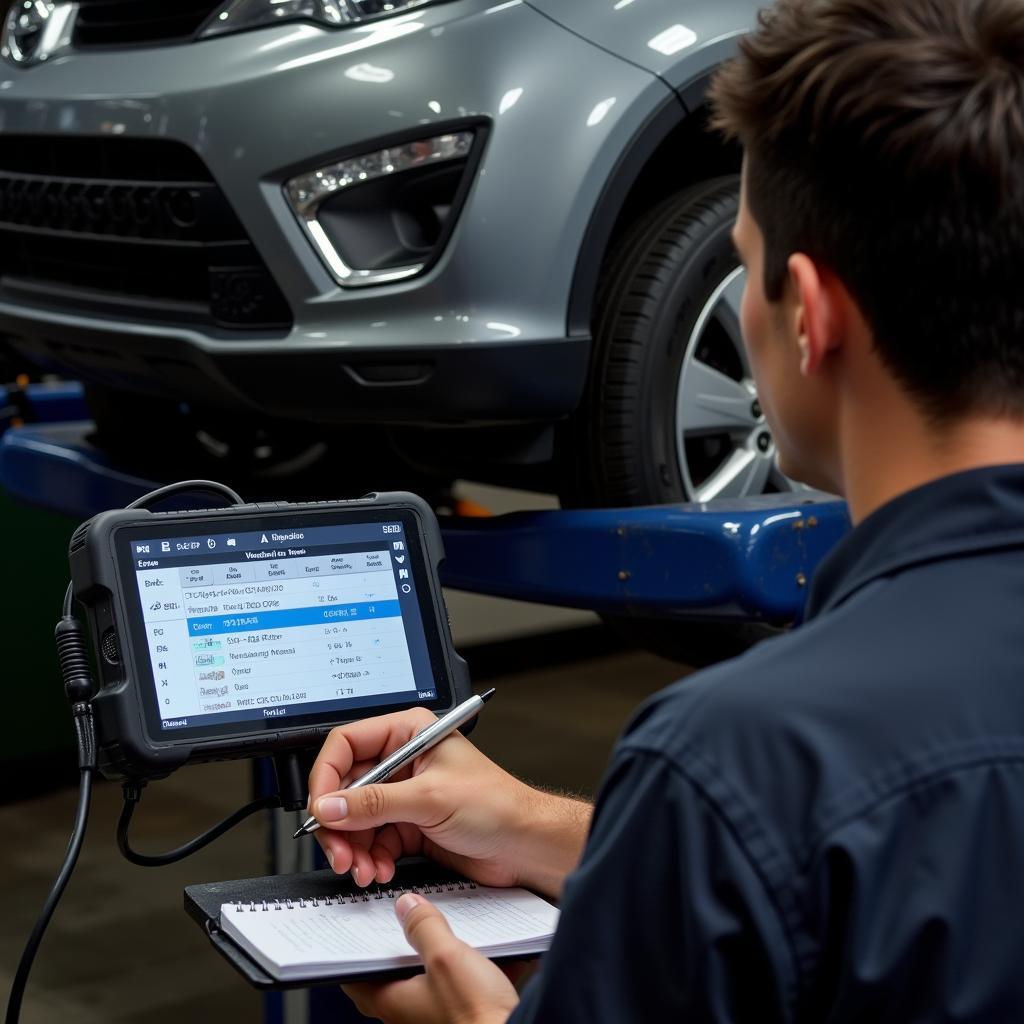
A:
471	384
482	335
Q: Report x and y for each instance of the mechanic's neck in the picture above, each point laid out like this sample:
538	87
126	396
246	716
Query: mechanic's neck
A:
889	448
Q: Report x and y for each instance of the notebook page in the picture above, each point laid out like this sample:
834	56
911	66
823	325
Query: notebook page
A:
366	935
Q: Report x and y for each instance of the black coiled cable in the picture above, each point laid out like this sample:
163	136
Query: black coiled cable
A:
74	667
78	685
132	792
56	891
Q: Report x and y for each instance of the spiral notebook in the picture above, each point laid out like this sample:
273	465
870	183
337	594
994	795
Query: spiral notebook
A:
357	933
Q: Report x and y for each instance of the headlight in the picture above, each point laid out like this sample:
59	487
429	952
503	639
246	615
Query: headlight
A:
384	216
235	15
35	30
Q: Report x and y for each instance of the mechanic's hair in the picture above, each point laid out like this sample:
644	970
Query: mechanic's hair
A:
885	139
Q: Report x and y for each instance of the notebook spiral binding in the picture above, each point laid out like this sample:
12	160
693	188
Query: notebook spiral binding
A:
374	892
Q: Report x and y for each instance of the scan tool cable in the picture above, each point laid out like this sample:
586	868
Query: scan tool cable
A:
78	685
132	793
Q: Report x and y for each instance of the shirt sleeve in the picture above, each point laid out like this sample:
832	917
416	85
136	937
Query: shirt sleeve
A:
665	919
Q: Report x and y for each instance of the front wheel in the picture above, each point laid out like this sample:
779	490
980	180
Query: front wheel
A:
671	412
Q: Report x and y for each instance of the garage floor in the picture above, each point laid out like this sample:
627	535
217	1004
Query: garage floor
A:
120	947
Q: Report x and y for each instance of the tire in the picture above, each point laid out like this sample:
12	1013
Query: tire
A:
668	306
666	329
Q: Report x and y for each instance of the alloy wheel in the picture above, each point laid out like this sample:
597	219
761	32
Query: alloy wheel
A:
723	443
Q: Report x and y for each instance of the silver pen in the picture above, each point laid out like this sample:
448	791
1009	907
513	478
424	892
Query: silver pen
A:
419	744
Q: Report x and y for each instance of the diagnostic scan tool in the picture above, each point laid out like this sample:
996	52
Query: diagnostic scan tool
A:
247	631
254	629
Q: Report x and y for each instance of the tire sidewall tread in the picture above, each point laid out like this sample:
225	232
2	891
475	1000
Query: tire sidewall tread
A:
656	285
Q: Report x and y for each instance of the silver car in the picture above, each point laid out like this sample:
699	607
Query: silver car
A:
486	238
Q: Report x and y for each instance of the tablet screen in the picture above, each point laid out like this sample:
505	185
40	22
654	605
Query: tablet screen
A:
273	621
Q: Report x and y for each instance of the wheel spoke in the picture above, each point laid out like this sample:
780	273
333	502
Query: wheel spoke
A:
732	297
781	482
712	402
727	313
744	472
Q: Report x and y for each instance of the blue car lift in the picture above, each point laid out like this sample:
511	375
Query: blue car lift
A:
742	561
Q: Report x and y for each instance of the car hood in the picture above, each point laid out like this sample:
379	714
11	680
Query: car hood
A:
679	40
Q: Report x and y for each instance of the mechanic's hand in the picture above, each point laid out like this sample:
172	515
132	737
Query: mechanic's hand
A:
452	804
460	986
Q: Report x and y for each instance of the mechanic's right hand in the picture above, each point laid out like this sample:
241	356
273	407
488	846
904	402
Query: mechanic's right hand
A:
452	804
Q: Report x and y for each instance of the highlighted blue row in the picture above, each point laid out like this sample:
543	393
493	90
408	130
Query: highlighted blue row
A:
325	615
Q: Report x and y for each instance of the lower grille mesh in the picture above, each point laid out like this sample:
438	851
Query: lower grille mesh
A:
113	231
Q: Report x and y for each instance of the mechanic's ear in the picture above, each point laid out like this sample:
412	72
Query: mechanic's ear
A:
820	298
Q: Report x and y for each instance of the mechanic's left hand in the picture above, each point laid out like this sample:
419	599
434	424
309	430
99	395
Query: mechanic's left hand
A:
460	986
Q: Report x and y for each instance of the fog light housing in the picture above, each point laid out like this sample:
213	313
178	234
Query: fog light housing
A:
384	216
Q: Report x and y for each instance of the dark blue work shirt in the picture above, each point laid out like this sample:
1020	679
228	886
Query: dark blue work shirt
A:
830	828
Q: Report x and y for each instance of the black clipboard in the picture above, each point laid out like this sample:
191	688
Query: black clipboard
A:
203	903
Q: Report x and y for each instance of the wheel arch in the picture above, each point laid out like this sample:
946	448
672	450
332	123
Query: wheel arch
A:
671	150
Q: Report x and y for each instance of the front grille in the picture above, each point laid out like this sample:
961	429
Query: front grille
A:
134	227
106	23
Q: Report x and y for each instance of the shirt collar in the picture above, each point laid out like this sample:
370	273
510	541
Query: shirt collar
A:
971	511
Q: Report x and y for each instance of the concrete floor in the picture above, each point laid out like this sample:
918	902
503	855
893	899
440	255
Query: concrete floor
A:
120	947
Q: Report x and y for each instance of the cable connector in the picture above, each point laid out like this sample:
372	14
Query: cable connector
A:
291	781
85	734
74	660
132	790
78	685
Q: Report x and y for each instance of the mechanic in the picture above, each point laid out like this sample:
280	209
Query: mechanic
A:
830	827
